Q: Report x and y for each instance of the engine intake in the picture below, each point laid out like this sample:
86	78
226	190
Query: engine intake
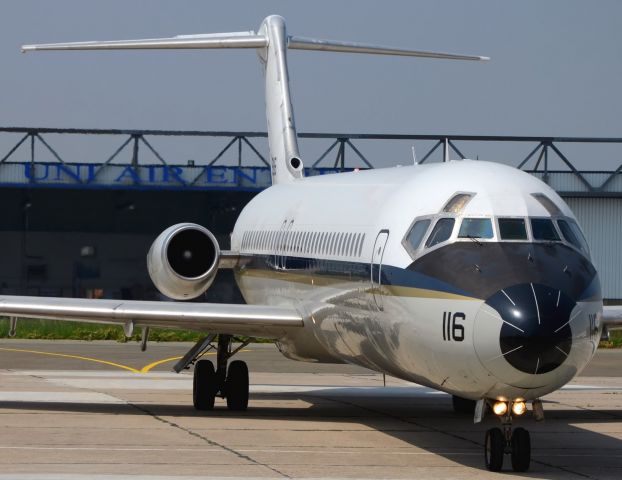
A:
183	261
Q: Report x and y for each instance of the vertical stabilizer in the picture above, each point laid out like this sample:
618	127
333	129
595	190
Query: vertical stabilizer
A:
284	156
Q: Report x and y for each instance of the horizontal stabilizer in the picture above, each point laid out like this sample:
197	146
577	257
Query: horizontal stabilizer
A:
302	43
245	40
203	41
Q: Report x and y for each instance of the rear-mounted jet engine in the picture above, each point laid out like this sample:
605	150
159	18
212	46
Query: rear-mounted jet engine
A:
183	261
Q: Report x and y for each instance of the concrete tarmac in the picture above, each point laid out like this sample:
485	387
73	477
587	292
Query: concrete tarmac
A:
76	410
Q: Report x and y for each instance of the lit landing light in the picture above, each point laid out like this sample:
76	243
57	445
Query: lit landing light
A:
500	408
519	407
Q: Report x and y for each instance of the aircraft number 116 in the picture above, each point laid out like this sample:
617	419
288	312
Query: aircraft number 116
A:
453	330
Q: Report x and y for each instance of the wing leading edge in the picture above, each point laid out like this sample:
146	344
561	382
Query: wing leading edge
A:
612	316
252	320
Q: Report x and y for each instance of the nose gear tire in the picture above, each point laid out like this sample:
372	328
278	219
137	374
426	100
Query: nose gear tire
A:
494	449
521	450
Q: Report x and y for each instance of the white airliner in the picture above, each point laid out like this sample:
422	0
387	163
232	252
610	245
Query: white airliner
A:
469	277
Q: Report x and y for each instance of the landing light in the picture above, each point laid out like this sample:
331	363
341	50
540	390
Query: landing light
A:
500	408
518	408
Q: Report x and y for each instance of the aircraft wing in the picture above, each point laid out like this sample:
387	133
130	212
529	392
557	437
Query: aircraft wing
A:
252	320
612	316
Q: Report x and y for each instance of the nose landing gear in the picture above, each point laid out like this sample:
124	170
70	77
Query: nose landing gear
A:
516	443
507	441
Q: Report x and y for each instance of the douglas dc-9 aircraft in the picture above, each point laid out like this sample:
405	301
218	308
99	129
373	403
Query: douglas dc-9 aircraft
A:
469	277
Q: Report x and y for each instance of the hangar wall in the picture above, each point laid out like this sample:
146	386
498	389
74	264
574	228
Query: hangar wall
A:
601	220
57	201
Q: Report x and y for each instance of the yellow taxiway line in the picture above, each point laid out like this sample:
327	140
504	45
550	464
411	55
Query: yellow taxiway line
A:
145	369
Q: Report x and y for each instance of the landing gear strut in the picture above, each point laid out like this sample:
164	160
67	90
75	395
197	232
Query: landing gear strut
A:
507	441
228	381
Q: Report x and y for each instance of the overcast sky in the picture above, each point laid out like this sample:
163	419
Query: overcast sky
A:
556	67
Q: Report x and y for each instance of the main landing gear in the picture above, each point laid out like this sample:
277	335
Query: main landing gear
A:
227	380
507	441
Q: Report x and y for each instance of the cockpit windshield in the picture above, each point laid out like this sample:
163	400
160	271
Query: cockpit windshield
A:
543	229
417	232
476	228
512	229
431	231
441	232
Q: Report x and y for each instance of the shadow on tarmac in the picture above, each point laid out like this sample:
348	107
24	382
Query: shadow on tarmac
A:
560	444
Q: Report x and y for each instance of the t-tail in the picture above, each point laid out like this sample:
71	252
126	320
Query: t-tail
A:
271	43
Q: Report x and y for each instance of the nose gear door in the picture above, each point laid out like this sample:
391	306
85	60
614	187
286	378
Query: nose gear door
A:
376	267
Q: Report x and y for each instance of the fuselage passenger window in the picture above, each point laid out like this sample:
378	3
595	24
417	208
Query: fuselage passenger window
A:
441	232
543	229
361	245
476	228
512	229
355	245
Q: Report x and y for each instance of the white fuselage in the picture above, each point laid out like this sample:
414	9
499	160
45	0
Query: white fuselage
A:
334	246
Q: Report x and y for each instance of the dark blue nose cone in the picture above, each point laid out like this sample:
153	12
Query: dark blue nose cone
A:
536	336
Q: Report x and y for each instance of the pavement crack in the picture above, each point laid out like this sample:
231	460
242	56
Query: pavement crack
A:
207	440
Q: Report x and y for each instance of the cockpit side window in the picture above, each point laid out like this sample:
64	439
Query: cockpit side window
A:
417	232
512	229
441	232
543	229
573	234
476	228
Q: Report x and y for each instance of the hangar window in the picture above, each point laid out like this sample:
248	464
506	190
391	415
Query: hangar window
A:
476	228
512	229
543	229
441	232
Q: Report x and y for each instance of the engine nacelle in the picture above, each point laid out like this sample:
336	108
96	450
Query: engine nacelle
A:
183	261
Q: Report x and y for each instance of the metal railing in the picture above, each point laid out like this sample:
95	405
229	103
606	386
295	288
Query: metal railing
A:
247	154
